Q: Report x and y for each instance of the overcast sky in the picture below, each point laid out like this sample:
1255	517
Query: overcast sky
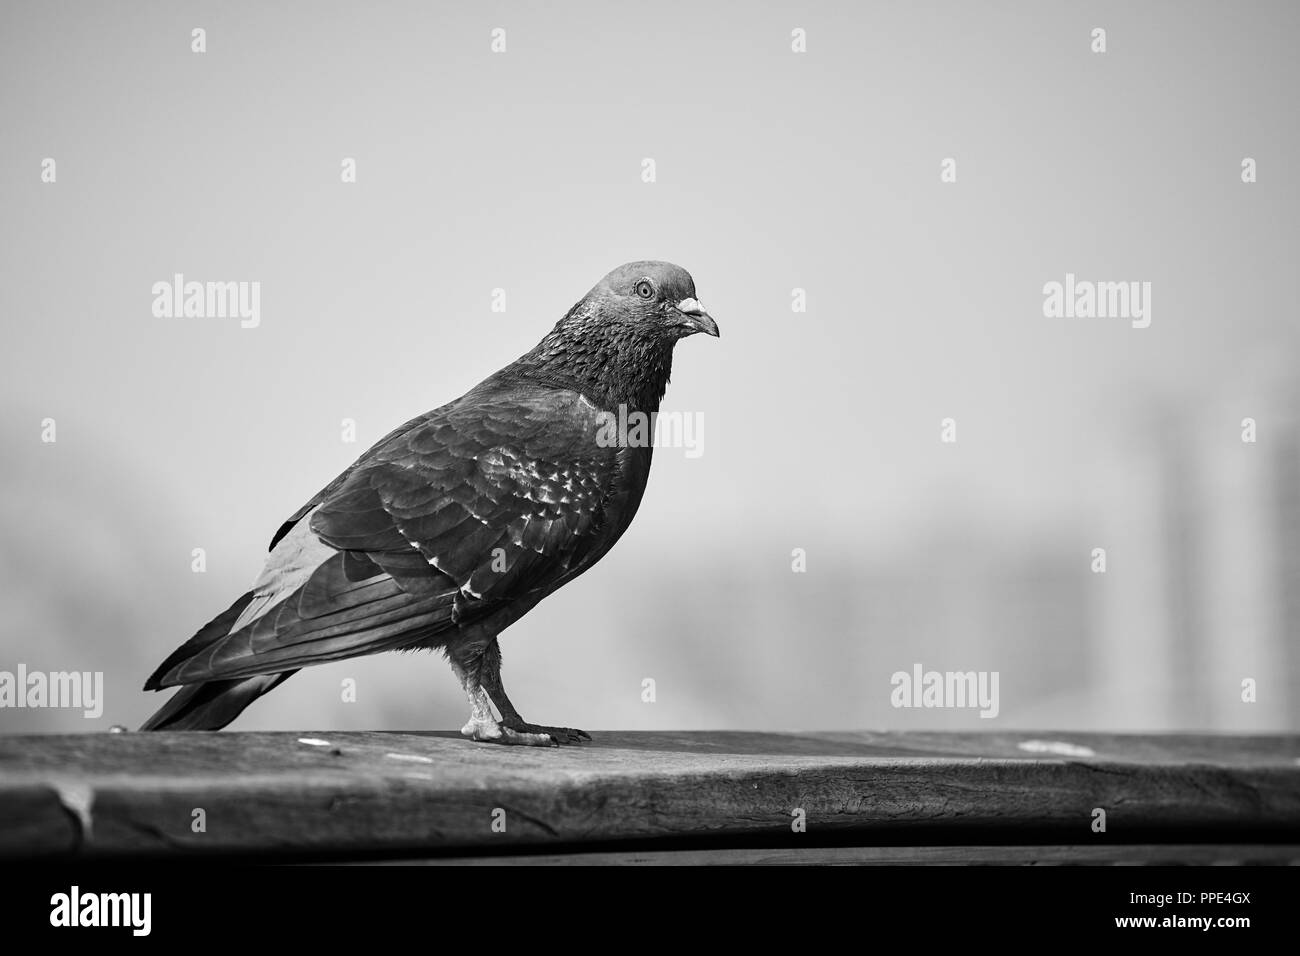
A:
523	171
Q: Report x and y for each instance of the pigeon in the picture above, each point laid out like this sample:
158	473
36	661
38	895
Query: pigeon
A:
456	524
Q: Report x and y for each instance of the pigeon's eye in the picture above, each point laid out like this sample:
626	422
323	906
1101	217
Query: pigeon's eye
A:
645	289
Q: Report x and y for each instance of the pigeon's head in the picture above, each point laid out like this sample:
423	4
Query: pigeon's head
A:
616	344
653	299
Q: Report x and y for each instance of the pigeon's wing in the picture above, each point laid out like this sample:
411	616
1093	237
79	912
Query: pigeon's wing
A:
334	485
502	495
484	502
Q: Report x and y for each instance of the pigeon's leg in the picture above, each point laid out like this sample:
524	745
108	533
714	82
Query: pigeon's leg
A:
482	723
490	673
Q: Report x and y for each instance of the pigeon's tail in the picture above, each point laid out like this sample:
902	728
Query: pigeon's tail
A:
208	635
212	704
208	705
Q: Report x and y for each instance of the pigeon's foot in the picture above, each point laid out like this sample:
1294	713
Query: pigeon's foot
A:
561	735
483	724
490	731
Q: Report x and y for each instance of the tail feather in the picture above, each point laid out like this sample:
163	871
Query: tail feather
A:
209	634
211	705
208	705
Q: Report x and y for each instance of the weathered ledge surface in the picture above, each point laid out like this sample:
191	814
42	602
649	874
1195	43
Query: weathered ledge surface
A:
435	795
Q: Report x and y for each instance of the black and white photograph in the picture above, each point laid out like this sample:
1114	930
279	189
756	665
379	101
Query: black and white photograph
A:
573	434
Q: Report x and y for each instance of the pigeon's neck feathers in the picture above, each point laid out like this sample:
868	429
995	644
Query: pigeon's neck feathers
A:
612	363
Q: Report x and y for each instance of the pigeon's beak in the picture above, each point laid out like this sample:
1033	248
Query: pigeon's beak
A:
695	318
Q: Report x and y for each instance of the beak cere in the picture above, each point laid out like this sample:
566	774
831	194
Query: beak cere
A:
696	319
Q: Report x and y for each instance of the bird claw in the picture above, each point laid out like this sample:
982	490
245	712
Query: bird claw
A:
561	735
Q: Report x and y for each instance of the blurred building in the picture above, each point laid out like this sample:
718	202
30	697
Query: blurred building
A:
1202	532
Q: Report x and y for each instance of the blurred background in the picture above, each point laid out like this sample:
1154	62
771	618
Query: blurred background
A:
775	171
